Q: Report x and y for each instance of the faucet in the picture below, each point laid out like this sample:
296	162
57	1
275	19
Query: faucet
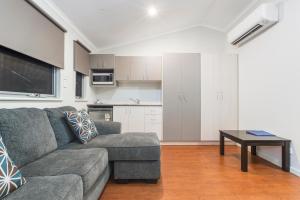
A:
137	101
98	101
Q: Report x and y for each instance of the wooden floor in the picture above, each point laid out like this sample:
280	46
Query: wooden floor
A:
199	173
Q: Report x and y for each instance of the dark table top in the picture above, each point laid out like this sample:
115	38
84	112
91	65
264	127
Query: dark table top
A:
242	135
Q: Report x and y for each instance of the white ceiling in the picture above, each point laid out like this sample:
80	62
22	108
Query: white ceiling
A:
109	23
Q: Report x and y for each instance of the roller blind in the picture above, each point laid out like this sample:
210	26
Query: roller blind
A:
26	30
81	58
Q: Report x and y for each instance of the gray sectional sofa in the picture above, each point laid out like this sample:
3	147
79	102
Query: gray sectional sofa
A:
58	167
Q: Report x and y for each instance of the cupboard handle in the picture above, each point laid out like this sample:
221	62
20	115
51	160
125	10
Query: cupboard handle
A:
146	72
184	98
180	98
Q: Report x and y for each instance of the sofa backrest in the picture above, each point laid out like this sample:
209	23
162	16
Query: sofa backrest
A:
61	129
27	134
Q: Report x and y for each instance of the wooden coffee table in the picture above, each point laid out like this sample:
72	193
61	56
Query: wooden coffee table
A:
245	140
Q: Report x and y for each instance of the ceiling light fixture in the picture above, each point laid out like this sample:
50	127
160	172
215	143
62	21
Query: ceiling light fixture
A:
152	11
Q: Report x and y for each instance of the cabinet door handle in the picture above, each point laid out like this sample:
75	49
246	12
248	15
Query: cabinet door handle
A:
180	98
184	98
147	76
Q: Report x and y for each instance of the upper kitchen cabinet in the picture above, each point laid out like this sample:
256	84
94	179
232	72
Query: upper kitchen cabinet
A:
138	68
154	68
102	61
123	68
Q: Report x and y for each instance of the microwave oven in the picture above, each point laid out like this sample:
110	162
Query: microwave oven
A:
103	77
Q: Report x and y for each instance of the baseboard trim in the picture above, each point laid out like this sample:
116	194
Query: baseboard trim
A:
204	143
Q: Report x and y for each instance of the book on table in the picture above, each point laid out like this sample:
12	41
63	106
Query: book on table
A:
259	133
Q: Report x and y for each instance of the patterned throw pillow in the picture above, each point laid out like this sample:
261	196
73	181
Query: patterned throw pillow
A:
10	176
83	127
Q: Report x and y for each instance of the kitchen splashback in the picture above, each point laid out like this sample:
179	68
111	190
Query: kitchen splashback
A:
147	92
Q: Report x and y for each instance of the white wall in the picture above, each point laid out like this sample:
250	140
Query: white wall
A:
269	82
198	39
67	78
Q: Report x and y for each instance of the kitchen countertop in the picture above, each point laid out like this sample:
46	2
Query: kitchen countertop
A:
124	104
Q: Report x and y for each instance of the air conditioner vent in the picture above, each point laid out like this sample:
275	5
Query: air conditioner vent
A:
248	33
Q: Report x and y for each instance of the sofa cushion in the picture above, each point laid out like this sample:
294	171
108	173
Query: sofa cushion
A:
82	125
65	187
126	146
27	134
87	163
62	131
10	176
108	127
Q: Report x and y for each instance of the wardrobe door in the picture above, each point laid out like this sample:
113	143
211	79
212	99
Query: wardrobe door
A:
219	98
172	99
191	95
210	97
229	87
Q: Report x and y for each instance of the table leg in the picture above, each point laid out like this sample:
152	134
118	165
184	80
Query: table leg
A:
221	144
253	150
244	158
286	156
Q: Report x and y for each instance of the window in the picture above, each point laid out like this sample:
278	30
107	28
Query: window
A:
79	85
24	75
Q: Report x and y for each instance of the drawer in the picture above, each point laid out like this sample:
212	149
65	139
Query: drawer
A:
153	118
153	111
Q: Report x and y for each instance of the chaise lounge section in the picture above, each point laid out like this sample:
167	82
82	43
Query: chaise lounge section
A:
58	166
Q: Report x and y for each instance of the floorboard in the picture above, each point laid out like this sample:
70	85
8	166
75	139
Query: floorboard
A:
199	173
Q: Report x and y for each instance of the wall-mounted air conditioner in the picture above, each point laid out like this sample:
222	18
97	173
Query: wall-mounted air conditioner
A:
262	18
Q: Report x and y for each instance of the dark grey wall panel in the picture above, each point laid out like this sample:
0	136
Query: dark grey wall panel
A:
26	30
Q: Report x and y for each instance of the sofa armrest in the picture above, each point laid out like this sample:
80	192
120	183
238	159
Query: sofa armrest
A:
107	127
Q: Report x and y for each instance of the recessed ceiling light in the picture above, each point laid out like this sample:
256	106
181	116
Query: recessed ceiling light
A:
152	11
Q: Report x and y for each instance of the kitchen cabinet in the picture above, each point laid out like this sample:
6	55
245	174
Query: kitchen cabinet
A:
219	102
136	119
153	120
181	97
102	61
121	114
138	68
153	68
123	68
139	118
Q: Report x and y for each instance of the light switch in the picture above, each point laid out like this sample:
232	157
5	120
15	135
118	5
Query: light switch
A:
65	83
